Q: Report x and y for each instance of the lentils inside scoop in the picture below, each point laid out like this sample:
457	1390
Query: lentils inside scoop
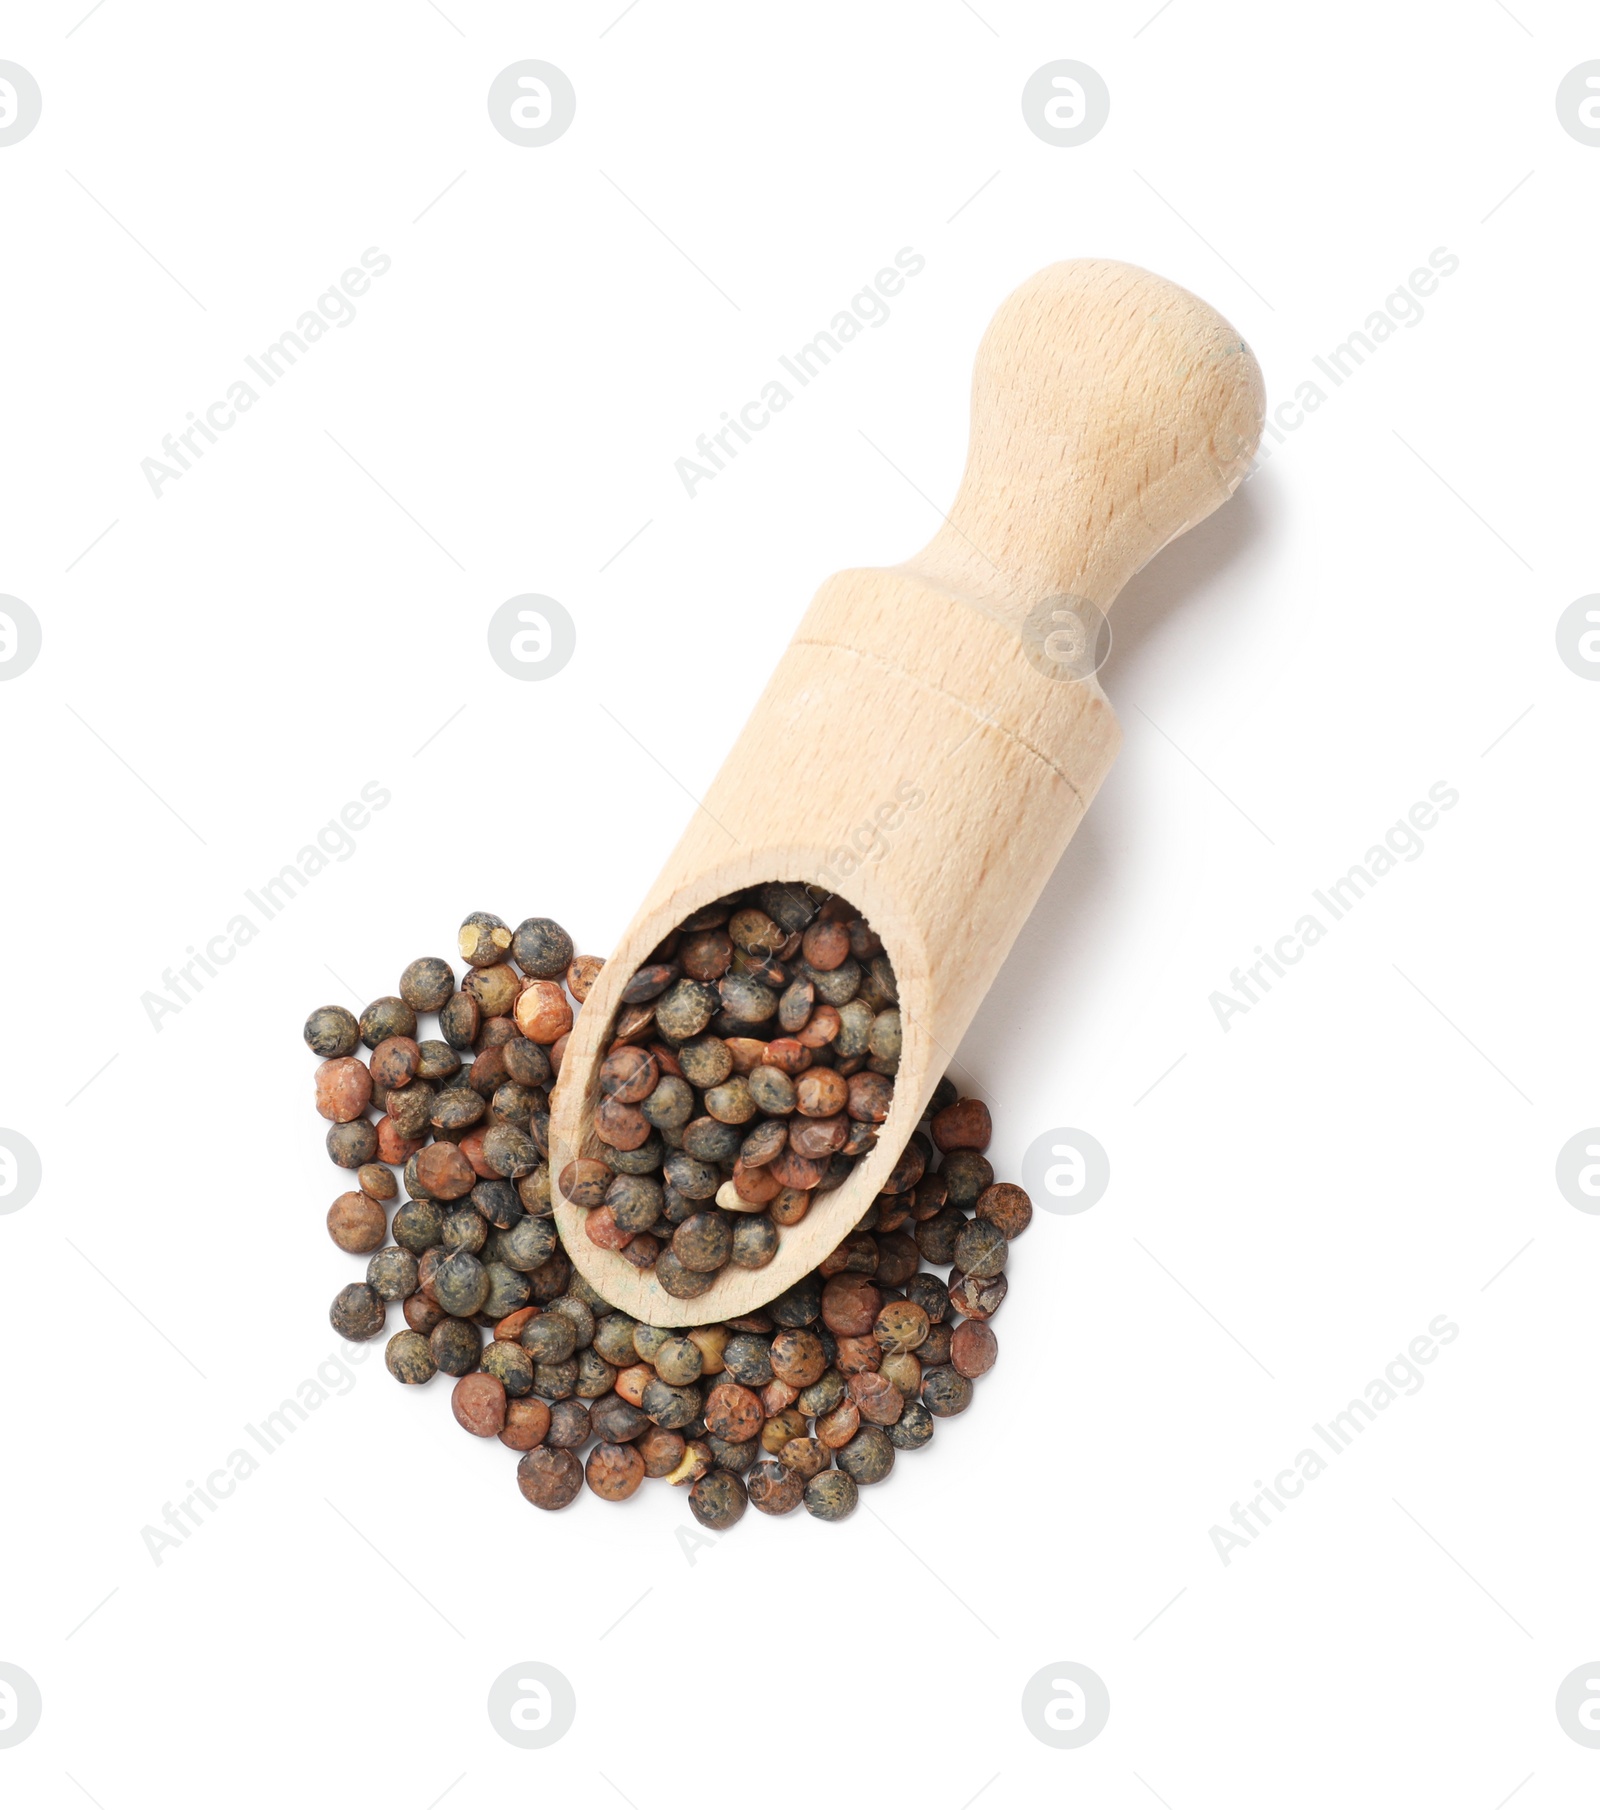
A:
752	1062
799	1405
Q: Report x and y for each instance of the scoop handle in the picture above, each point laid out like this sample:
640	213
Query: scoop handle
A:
934	733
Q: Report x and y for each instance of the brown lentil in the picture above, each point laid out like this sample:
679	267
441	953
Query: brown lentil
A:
479	1404
376	1180
571	1424
661	1451
527	1423
356	1223
614	1472
877	1398
973	1348
344	1088
549	1478
781	1428
422	1315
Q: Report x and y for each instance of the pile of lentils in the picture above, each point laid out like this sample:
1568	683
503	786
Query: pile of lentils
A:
752	1062
465	1116
797	1405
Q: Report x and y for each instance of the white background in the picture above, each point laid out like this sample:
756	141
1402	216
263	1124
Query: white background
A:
1290	1204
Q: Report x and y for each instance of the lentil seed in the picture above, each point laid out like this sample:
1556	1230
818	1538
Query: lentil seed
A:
456	1346
914	1428
678	1360
945	1391
965	1173
549	1479
387	1017
973	1348
478	1402
409	1359
981	1249
869	1457
781	1428
936	1237
356	1223
614	1472
773	1488
357	1312
527	1423
542	949
392	1274
512	1365
717	1500
978	1297
661	1451
755	1242
331	1031
904	1370
352	1144
571	1424
830	1496
422	1315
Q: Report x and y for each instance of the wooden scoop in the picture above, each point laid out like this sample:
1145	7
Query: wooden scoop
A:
934	732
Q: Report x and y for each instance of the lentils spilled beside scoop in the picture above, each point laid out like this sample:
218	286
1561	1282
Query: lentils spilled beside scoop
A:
799	1405
752	1062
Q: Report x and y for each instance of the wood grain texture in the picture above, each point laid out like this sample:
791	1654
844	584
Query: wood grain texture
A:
1111	410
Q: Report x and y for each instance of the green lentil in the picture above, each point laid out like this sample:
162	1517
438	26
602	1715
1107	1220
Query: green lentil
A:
869	1457
831	1495
541	948
914	1428
392	1273
981	1249
456	1346
509	1289
331	1031
460	1284
945	1391
409	1359
357	1313
718	1500
512	1365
